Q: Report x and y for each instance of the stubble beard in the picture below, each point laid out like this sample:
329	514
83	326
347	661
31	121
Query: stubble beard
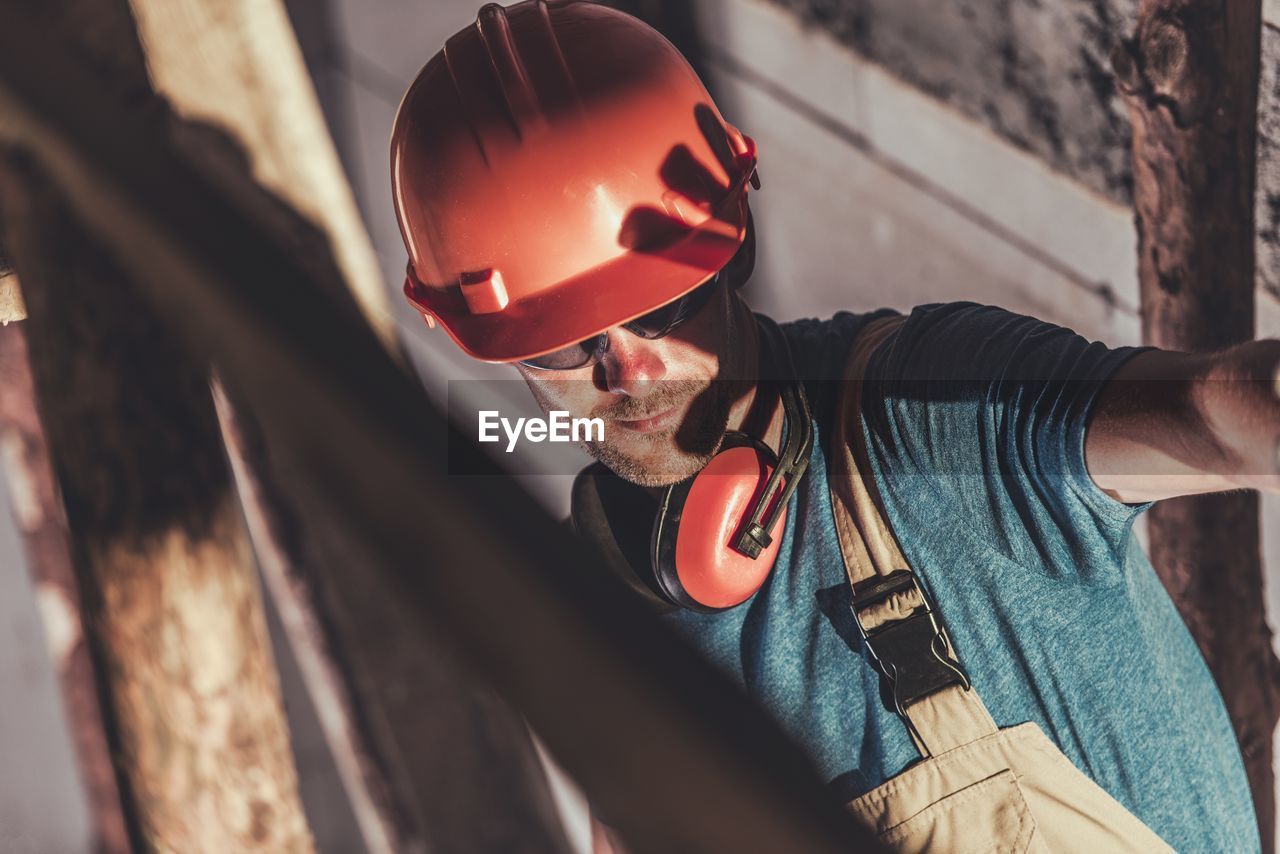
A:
680	452
667	456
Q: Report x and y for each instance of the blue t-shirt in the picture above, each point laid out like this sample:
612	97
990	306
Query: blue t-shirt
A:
975	420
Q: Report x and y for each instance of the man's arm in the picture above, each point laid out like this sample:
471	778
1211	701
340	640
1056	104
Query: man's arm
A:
1171	423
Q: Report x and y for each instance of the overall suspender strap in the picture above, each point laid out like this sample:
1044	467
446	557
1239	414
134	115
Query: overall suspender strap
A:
898	622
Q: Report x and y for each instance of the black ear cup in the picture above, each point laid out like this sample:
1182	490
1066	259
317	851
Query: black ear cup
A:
612	517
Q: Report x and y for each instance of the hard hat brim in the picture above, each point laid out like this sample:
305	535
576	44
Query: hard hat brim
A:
583	306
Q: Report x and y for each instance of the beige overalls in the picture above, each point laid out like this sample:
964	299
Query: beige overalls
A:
977	787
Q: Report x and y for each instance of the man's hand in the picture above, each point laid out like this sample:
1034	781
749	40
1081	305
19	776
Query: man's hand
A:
1171	423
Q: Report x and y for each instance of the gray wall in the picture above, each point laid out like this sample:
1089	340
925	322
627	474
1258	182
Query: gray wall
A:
42	806
1038	75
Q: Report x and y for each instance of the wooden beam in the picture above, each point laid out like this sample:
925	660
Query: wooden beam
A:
433	750
43	528
167	579
11	306
666	746
381	700
378	699
269	107
270	134
1190	77
277	539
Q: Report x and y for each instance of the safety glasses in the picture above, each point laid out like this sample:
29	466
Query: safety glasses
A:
658	323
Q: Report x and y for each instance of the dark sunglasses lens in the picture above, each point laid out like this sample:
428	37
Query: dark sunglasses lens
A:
663	320
655	324
566	358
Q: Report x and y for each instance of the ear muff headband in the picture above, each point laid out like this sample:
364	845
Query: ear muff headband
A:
743	262
795	453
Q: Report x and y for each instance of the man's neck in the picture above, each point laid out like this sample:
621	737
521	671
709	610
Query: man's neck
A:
758	412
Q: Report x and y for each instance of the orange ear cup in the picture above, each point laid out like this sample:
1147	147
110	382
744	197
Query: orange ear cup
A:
716	536
710	570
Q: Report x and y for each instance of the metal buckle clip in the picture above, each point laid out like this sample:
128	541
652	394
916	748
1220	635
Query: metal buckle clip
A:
913	653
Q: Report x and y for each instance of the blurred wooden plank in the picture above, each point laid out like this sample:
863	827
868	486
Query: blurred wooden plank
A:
281	543
270	114
166	578
236	64
46	539
435	759
11	306
269	135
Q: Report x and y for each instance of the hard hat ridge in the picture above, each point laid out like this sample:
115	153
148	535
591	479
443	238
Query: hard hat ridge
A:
517	89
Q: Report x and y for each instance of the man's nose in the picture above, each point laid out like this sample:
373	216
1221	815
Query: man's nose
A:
632	365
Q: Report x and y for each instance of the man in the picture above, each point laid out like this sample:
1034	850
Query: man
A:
573	203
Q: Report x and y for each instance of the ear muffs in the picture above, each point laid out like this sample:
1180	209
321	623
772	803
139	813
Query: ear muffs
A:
714	537
604	512
693	560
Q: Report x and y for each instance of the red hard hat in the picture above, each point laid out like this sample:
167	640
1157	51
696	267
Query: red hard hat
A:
559	169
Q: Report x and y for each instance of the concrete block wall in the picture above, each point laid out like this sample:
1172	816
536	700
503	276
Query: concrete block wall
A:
1038	75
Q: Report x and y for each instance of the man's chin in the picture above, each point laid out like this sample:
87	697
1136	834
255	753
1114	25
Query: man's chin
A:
670	455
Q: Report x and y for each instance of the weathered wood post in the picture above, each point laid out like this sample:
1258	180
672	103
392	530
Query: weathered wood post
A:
436	760
167	579
38	510
427	756
1190	77
421	750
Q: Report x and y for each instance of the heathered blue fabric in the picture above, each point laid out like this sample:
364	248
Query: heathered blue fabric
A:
976	438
